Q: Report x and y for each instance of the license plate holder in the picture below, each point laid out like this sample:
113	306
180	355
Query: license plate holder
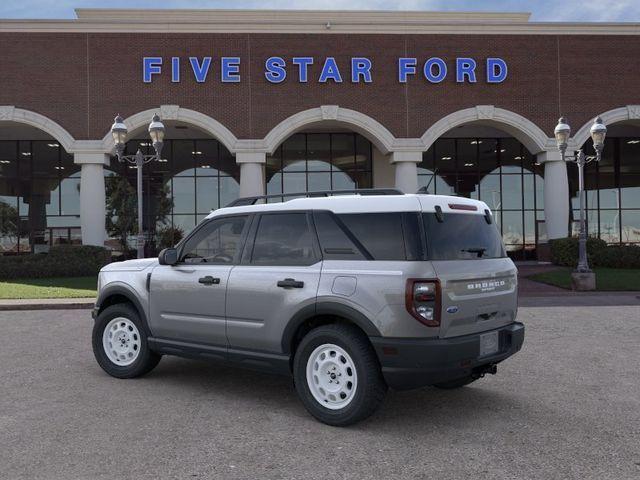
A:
489	344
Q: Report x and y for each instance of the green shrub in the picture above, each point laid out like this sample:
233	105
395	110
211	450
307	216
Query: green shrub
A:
565	252
619	256
61	261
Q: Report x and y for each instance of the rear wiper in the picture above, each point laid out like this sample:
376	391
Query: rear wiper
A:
479	251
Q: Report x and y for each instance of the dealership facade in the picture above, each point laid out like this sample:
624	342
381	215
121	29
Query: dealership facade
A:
277	102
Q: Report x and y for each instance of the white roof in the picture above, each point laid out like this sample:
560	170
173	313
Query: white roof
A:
364	204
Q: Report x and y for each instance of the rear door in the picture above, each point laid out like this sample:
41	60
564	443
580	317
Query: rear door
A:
187	300
278	276
478	281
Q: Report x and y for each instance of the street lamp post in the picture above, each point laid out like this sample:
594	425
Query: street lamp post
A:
119	133
583	277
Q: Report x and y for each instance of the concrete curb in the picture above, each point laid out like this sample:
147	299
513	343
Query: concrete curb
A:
46	304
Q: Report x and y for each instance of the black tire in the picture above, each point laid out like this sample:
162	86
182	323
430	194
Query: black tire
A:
146	360
370	386
458	383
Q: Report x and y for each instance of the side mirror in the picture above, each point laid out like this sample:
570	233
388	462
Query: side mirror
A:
168	256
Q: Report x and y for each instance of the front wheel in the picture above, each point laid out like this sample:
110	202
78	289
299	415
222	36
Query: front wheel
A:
337	375
120	343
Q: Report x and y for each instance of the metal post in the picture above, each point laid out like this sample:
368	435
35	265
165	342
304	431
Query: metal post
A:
583	263
140	239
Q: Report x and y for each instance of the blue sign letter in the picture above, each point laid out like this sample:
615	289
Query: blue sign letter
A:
465	67
230	69
360	66
303	64
175	69
275	69
200	71
428	70
150	66
406	66
330	71
496	70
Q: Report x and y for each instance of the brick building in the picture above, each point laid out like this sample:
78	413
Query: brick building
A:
285	101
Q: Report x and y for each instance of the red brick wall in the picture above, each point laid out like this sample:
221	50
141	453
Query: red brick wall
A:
82	80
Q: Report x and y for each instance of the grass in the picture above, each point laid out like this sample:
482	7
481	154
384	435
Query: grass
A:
607	279
71	287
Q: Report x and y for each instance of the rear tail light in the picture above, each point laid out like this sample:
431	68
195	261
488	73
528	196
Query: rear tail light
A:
422	298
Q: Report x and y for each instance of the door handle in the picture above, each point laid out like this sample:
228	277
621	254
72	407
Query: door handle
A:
209	280
290	283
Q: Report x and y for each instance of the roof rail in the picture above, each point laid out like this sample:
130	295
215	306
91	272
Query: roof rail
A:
244	201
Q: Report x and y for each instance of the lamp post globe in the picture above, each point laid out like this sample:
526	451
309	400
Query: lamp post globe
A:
119	133
156	132
562	133
598	132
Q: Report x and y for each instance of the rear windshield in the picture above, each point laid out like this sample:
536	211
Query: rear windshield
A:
462	236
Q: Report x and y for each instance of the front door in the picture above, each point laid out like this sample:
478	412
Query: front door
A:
187	300
278	276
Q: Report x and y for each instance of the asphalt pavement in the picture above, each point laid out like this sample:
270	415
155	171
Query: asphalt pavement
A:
567	406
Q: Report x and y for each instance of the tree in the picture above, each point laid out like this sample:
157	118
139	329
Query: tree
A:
122	208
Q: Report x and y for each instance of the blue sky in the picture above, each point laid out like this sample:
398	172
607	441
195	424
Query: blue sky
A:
542	10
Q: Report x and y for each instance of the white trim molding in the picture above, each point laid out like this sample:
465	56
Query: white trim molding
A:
180	114
373	130
621	114
9	113
310	21
527	132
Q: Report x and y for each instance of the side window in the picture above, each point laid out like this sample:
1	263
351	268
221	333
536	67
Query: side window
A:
217	242
283	239
380	233
334	241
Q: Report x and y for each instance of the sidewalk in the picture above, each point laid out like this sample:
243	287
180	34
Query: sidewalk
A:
537	294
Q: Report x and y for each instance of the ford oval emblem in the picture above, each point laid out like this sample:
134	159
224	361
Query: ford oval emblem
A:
452	309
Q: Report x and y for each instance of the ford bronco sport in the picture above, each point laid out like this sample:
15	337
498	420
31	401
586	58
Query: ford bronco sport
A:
350	294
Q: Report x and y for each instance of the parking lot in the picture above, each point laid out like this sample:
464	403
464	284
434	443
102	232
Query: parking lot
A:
567	406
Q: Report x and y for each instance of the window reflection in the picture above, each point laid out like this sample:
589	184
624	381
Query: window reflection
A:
192	178
612	191
319	161
39	196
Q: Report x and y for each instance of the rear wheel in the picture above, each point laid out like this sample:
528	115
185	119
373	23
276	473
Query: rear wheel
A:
120	343
458	383
337	375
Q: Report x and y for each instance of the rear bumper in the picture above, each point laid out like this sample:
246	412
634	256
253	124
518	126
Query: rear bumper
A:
414	363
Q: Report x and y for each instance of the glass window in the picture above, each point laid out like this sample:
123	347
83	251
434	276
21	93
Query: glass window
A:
283	239
630	226
319	161
334	239
462	237
216	242
380	233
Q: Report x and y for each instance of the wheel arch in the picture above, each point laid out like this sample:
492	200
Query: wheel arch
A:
118	293
323	313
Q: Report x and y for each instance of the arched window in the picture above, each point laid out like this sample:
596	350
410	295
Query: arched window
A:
320	161
39	196
498	171
192	178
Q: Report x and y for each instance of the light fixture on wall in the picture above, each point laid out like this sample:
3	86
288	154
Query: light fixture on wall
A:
156	133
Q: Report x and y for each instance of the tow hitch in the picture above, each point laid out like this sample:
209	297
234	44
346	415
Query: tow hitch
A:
483	370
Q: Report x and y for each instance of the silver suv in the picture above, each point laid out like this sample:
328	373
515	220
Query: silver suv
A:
349	294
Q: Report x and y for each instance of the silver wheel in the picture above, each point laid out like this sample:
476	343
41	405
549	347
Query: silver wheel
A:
331	376
121	341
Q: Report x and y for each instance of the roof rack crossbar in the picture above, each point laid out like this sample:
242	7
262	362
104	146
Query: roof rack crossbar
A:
244	201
